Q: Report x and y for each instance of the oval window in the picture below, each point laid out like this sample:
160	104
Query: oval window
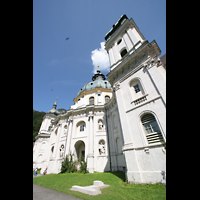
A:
119	41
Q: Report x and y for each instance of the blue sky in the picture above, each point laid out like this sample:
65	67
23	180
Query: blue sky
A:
62	67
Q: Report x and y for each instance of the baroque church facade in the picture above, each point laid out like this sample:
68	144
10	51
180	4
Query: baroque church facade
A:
118	124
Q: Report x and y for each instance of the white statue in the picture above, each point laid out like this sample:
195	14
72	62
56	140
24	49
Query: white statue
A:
62	151
102	147
100	125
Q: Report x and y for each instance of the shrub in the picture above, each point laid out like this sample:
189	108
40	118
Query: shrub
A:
83	167
68	165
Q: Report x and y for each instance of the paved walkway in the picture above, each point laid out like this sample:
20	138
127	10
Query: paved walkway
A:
42	193
37	175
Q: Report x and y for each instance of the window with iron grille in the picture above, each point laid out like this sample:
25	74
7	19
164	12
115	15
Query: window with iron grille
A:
152	130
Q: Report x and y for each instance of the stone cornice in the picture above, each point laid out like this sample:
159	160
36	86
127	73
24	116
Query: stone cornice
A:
84	111
128	62
43	135
134	62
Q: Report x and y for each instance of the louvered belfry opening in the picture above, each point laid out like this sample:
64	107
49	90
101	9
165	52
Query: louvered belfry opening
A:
152	130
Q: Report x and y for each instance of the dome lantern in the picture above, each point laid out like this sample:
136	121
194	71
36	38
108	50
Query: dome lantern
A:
98	75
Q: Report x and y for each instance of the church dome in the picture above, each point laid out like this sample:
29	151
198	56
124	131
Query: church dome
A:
53	111
99	80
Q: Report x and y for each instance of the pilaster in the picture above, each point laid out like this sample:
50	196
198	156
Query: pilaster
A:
90	157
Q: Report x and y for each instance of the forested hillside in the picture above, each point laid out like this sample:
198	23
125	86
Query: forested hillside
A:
37	120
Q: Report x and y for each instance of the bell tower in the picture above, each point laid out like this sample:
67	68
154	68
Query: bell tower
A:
138	81
122	40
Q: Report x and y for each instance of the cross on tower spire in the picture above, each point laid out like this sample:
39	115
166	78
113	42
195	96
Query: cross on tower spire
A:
98	71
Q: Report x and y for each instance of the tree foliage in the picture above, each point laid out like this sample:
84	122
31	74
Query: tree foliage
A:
37	120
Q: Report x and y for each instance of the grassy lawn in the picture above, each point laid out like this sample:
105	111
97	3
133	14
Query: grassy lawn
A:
118	188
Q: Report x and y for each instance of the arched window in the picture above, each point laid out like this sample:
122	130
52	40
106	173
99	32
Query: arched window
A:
91	101
80	126
107	99
137	91
151	128
123	53
43	145
40	158
137	87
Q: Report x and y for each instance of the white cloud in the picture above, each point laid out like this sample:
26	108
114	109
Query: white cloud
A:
100	58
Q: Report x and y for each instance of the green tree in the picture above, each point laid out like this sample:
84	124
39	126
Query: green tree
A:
37	120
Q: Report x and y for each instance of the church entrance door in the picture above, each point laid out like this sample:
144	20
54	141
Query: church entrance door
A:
79	149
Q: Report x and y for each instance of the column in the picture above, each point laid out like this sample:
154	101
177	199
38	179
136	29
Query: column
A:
69	135
69	130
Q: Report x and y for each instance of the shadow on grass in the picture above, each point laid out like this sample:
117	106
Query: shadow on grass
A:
119	174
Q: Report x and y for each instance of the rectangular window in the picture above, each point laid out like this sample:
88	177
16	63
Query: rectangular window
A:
137	88
151	127
81	128
148	128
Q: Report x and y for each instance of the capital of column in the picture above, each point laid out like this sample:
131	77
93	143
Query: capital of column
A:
70	119
90	115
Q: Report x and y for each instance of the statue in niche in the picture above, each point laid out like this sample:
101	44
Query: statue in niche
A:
62	151
102	147
100	123
65	129
50	127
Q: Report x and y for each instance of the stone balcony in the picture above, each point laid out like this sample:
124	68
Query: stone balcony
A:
140	99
